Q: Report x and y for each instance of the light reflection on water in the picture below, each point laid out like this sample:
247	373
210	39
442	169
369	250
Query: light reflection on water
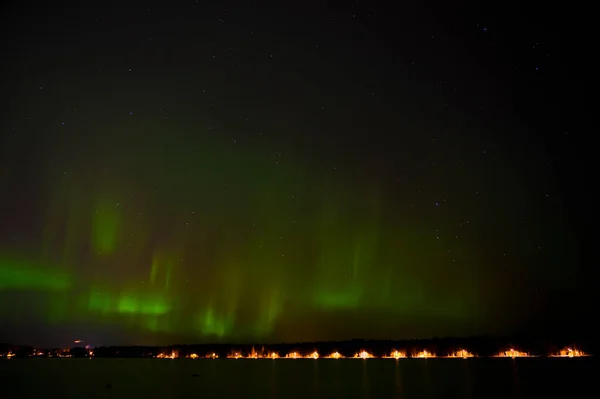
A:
273	379
467	380
365	379
315	379
289	379
397	380
515	373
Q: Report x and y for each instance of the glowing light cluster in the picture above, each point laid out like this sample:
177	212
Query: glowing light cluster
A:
513	353
569	352
424	355
460	353
253	354
396	355
363	355
234	355
172	355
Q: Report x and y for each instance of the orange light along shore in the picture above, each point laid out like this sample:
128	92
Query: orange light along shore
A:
396	355
463	354
569	352
363	355
253	355
172	355
424	355
513	353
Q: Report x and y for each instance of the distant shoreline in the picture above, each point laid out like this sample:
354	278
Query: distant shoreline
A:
357	348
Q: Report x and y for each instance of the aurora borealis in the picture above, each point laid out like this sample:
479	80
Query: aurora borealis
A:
210	173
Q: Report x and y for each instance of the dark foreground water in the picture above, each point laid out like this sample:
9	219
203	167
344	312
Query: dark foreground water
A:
302	378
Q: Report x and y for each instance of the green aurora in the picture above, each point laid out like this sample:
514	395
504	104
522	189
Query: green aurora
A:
218	256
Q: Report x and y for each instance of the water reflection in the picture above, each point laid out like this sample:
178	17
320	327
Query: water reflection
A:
467	380
316	385
366	386
428	387
516	380
353	379
338	378
397	380
273	378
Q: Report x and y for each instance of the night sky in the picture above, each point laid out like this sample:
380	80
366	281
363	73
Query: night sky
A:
219	171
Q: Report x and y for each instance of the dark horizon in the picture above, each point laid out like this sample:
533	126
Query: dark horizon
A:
222	171
485	344
435	347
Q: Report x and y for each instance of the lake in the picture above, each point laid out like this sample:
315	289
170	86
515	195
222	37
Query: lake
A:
302	378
